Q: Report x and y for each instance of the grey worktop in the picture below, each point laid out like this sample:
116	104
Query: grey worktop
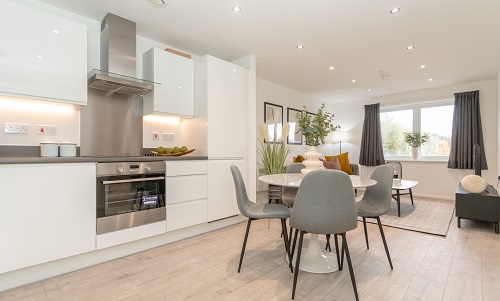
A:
34	160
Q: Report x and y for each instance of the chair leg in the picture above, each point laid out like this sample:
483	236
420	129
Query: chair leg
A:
366	233
335	238
327	246
244	244
342	256
294	242
383	239
296	272
349	264
411	197
285	240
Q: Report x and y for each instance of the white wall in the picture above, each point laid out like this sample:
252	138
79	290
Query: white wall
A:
288	98
435	179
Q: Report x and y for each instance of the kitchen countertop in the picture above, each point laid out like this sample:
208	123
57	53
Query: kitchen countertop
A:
34	160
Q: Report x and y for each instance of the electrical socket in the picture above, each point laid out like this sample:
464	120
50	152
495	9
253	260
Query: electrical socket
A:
168	137
46	130
155	135
16	128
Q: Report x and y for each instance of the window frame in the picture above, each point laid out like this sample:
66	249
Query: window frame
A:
417	107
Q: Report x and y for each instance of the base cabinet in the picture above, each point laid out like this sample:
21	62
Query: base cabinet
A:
48	213
221	191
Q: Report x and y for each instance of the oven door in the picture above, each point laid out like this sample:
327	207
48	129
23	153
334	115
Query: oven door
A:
129	201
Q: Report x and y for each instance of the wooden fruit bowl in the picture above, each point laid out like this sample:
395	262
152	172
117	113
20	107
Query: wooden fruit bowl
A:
175	154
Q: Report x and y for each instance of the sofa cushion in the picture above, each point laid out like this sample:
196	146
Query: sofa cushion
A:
298	159
344	162
332	164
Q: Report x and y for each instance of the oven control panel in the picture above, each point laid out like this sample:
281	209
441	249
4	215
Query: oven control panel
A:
130	168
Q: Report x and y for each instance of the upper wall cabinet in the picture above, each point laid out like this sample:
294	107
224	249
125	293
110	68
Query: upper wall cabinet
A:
42	56
175	73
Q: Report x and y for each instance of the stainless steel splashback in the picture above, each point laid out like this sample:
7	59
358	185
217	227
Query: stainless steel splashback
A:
111	125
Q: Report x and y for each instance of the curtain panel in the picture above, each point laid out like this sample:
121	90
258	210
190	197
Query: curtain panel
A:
372	153
466	131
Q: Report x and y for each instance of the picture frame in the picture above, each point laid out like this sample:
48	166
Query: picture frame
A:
273	118
295	133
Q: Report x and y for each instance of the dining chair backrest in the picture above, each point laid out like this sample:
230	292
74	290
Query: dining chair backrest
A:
295	168
241	192
380	194
397	168
325	203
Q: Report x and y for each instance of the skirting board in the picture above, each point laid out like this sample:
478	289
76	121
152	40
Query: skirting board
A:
47	270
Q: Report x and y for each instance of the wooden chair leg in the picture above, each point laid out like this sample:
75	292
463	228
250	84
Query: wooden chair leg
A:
383	239
349	264
297	264
285	240
366	233
244	244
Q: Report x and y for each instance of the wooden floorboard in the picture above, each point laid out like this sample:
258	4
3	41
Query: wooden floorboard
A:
464	265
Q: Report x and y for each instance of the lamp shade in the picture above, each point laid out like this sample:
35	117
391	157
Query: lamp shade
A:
340	136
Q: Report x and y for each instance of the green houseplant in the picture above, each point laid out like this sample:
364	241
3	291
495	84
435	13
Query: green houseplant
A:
273	154
315	128
415	140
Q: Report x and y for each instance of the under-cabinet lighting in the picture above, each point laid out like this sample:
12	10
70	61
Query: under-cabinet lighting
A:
26	105
163	119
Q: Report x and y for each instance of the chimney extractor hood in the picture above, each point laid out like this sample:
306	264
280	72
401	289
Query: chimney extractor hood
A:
118	83
118	56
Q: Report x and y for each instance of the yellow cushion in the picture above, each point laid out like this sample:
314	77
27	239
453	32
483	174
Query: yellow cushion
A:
344	162
298	159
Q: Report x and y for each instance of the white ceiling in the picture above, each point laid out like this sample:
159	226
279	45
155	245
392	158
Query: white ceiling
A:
458	40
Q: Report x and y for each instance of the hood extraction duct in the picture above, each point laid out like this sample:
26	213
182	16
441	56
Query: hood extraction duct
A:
118	56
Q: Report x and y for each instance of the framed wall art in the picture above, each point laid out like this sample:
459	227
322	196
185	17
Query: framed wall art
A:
294	134
273	118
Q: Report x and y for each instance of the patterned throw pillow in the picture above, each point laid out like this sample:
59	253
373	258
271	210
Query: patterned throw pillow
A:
344	162
332	164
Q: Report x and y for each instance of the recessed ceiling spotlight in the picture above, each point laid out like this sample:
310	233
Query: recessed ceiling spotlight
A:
394	10
331	68
410	47
430	79
353	80
422	66
158	3
236	9
39	56
300	47
369	90
55	31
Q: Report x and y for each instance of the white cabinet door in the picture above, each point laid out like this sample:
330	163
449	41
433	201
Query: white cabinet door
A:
48	213
175	73
226	109
42	56
221	191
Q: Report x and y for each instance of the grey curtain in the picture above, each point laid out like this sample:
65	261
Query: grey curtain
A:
372	153
466	131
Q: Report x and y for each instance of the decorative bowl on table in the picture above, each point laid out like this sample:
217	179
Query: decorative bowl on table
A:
174	151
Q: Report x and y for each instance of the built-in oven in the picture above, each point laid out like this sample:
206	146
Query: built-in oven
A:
130	194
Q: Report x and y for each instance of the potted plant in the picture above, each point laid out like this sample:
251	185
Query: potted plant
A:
415	140
273	154
315	128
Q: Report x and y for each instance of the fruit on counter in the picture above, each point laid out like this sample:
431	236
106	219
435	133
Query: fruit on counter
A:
171	150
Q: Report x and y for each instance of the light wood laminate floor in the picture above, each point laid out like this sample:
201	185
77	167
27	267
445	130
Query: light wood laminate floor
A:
465	265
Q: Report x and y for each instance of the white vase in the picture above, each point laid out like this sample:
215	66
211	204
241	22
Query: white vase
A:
312	162
414	153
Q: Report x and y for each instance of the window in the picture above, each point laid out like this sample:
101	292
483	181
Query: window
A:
433	119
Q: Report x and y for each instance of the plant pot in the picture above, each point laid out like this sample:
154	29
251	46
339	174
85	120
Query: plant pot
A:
414	153
312	162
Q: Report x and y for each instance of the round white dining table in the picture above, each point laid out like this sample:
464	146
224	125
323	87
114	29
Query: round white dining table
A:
313	258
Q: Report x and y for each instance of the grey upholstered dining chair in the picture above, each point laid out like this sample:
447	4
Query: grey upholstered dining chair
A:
289	193
325	204
258	211
376	201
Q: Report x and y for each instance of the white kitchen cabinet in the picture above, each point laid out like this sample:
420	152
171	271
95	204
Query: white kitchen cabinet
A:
42	56
48	213
175	73
221	191
186	194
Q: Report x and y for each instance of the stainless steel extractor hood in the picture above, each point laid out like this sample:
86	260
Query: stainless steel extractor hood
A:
118	56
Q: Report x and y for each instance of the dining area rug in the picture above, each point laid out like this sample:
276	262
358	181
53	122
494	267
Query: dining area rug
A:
428	215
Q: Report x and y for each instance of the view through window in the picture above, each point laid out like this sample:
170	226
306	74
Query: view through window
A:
435	120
